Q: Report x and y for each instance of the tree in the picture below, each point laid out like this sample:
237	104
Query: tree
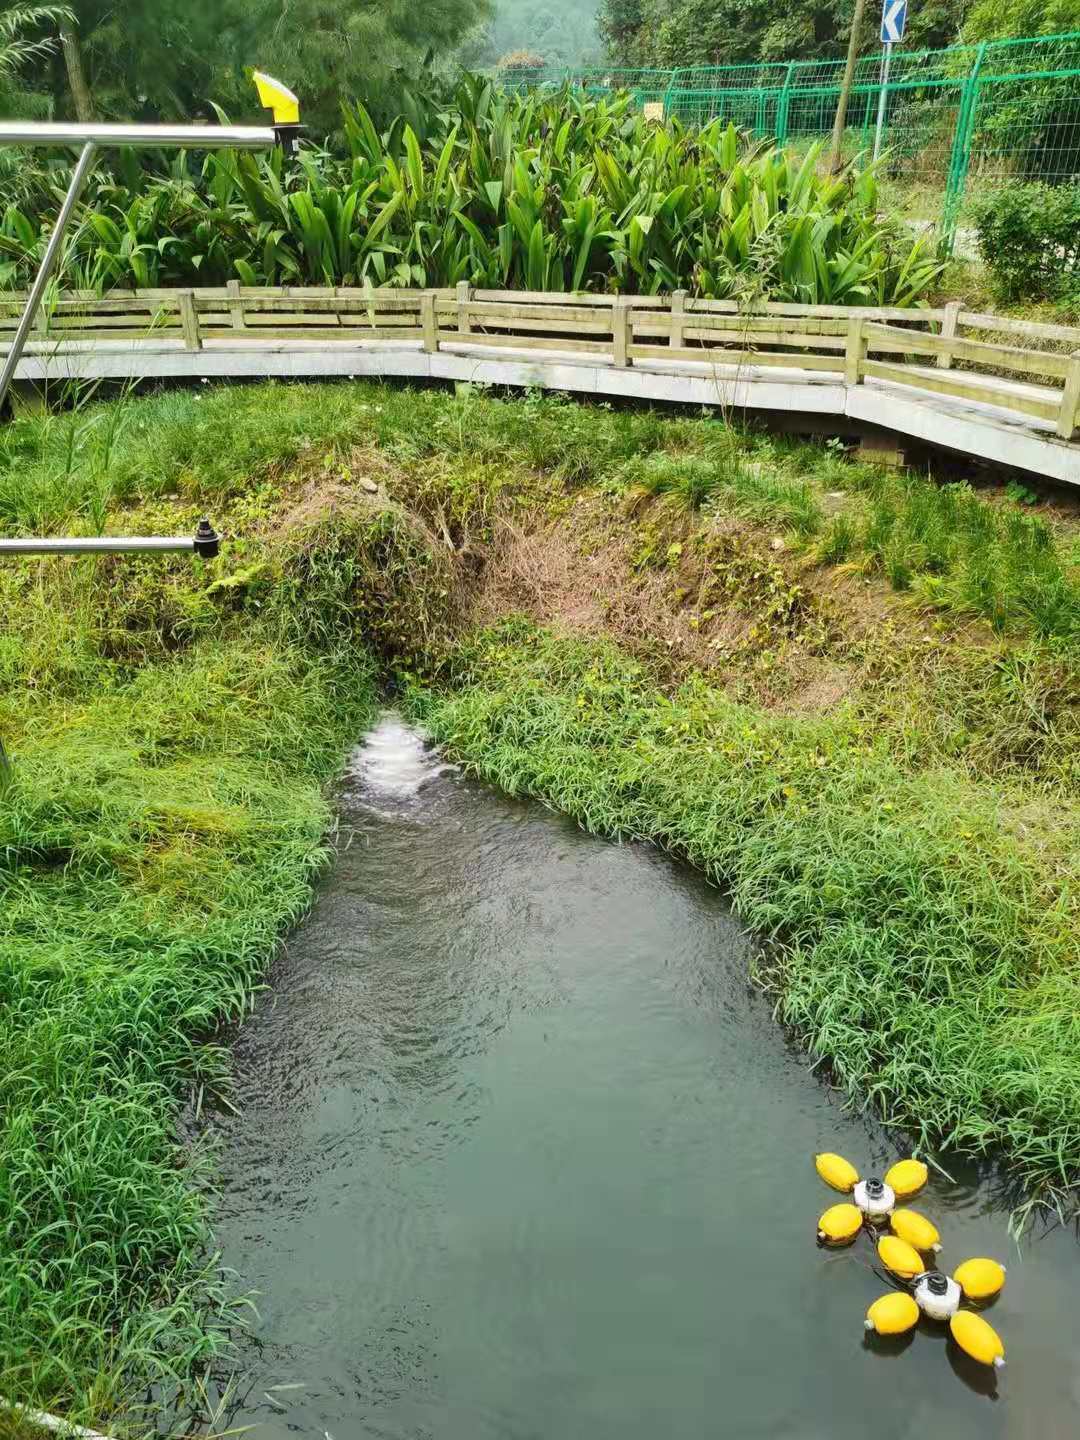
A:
621	24
1001	19
334	50
22	48
169	59
80	90
840	123
145	59
20	44
726	32
519	67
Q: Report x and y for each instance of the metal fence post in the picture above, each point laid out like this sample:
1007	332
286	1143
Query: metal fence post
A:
784	106
45	269
960	159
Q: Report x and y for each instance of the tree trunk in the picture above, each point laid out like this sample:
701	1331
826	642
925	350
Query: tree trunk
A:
80	90
836	150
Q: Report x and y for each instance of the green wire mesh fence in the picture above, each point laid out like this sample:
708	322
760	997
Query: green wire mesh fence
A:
956	122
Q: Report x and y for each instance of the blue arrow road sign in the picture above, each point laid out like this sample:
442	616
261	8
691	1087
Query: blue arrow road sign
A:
893	20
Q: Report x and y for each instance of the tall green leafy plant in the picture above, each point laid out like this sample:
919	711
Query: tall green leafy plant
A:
542	191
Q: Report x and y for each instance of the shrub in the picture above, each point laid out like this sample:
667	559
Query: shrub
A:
1029	237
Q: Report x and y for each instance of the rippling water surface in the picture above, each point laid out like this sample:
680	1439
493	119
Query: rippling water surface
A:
522	1156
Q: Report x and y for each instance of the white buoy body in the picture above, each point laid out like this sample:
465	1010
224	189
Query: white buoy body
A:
877	1204
937	1307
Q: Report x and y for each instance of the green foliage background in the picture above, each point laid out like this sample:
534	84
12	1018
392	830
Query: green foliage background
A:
723	32
170	59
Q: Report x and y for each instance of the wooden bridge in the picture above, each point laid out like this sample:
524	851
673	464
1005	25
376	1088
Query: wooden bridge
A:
1000	390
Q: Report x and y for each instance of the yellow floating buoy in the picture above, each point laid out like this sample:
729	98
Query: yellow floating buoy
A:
977	1339
839	1225
980	1279
900	1257
837	1172
893	1314
915	1229
907	1177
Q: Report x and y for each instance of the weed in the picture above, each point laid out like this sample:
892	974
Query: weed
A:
838	541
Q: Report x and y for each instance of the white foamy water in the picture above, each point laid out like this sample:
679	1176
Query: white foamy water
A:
394	759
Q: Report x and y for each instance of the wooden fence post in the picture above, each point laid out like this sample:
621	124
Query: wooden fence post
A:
856	350
464	296
1069	415
428	322
678	312
622	330
236	304
189	320
949	326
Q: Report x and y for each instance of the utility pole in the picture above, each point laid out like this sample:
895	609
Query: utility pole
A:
836	151
80	90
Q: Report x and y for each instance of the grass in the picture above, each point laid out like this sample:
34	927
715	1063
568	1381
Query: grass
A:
155	841
910	845
944	542
161	822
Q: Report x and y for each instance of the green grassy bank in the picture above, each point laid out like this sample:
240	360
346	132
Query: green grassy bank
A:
160	825
851	697
157	835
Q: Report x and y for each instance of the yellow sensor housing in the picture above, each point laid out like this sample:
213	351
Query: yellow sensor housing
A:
275	96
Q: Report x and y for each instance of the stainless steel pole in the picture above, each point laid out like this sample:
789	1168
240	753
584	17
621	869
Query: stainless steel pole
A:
205	542
141	137
885	67
97	545
45	269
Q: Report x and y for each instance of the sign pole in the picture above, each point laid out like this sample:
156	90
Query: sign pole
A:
886	65
893	25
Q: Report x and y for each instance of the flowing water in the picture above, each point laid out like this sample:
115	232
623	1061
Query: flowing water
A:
522	1157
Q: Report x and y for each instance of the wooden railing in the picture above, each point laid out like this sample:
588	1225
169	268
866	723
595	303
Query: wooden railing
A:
1027	368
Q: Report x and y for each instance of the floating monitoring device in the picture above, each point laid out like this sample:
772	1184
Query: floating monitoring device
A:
902	1238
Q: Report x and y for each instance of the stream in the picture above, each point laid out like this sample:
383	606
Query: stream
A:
522	1156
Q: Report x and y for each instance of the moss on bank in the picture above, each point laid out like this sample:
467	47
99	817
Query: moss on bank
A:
851	697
